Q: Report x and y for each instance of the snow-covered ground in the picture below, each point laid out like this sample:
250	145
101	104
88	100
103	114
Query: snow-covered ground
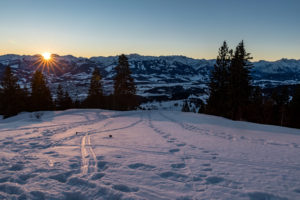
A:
151	155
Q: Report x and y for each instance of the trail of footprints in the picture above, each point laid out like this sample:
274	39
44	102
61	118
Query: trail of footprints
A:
199	177
79	176
227	136
89	170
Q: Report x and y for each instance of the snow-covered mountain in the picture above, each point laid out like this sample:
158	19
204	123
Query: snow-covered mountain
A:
151	155
160	78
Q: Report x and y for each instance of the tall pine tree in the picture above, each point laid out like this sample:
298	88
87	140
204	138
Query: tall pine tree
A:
294	118
40	93
12	96
219	81
124	87
239	83
95	94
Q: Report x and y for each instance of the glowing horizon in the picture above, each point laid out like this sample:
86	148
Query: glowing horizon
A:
46	55
46	62
194	28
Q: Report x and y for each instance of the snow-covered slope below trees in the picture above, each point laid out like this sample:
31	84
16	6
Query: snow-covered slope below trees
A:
151	155
161	78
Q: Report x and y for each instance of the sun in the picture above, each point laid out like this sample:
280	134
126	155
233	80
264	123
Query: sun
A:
47	61
46	56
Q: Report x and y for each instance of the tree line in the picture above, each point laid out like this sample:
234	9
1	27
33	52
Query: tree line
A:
233	96
231	93
14	99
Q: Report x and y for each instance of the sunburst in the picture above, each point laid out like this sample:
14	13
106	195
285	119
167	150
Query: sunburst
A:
47	55
46	61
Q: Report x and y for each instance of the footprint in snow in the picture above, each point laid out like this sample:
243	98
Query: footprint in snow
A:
102	165
178	165
174	176
214	180
36	195
10	189
62	177
174	150
141	166
125	188
263	195
50	152
97	176
207	169
75	181
16	167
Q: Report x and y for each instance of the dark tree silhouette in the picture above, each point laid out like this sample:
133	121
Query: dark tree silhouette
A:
281	100
59	98
218	85
13	98
239	83
185	107
40	94
295	109
95	94
68	102
255	107
124	87
63	100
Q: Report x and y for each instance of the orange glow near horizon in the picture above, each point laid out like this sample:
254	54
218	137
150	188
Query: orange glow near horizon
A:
47	62
47	55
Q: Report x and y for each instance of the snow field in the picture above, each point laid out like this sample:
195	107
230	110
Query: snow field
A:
151	155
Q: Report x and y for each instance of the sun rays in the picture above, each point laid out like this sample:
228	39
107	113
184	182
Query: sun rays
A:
47	61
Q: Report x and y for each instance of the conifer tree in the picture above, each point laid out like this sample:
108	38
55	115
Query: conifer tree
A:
124	87
280	99
255	107
1	103
282	102
68	102
219	80
295	109
185	107
11	95
59	98
239	82
95	94
40	93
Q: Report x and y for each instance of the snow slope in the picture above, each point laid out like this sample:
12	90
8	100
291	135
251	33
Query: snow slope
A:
151	155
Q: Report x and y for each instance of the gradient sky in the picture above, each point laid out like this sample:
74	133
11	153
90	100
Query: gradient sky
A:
194	28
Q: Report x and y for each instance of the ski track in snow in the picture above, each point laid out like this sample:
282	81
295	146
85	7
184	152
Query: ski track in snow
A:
87	156
151	155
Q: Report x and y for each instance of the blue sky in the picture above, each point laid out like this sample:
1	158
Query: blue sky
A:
194	28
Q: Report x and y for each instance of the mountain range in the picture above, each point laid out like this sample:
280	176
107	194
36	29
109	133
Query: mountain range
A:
157	78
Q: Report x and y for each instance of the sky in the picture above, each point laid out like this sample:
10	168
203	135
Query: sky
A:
193	28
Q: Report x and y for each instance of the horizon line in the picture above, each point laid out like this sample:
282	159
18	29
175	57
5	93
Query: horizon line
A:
128	54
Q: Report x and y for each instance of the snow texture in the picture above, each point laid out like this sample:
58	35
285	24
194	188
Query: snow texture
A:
151	155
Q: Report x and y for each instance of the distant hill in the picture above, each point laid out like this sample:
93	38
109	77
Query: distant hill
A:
161	78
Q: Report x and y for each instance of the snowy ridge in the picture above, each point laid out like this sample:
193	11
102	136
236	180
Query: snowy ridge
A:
163	77
151	155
